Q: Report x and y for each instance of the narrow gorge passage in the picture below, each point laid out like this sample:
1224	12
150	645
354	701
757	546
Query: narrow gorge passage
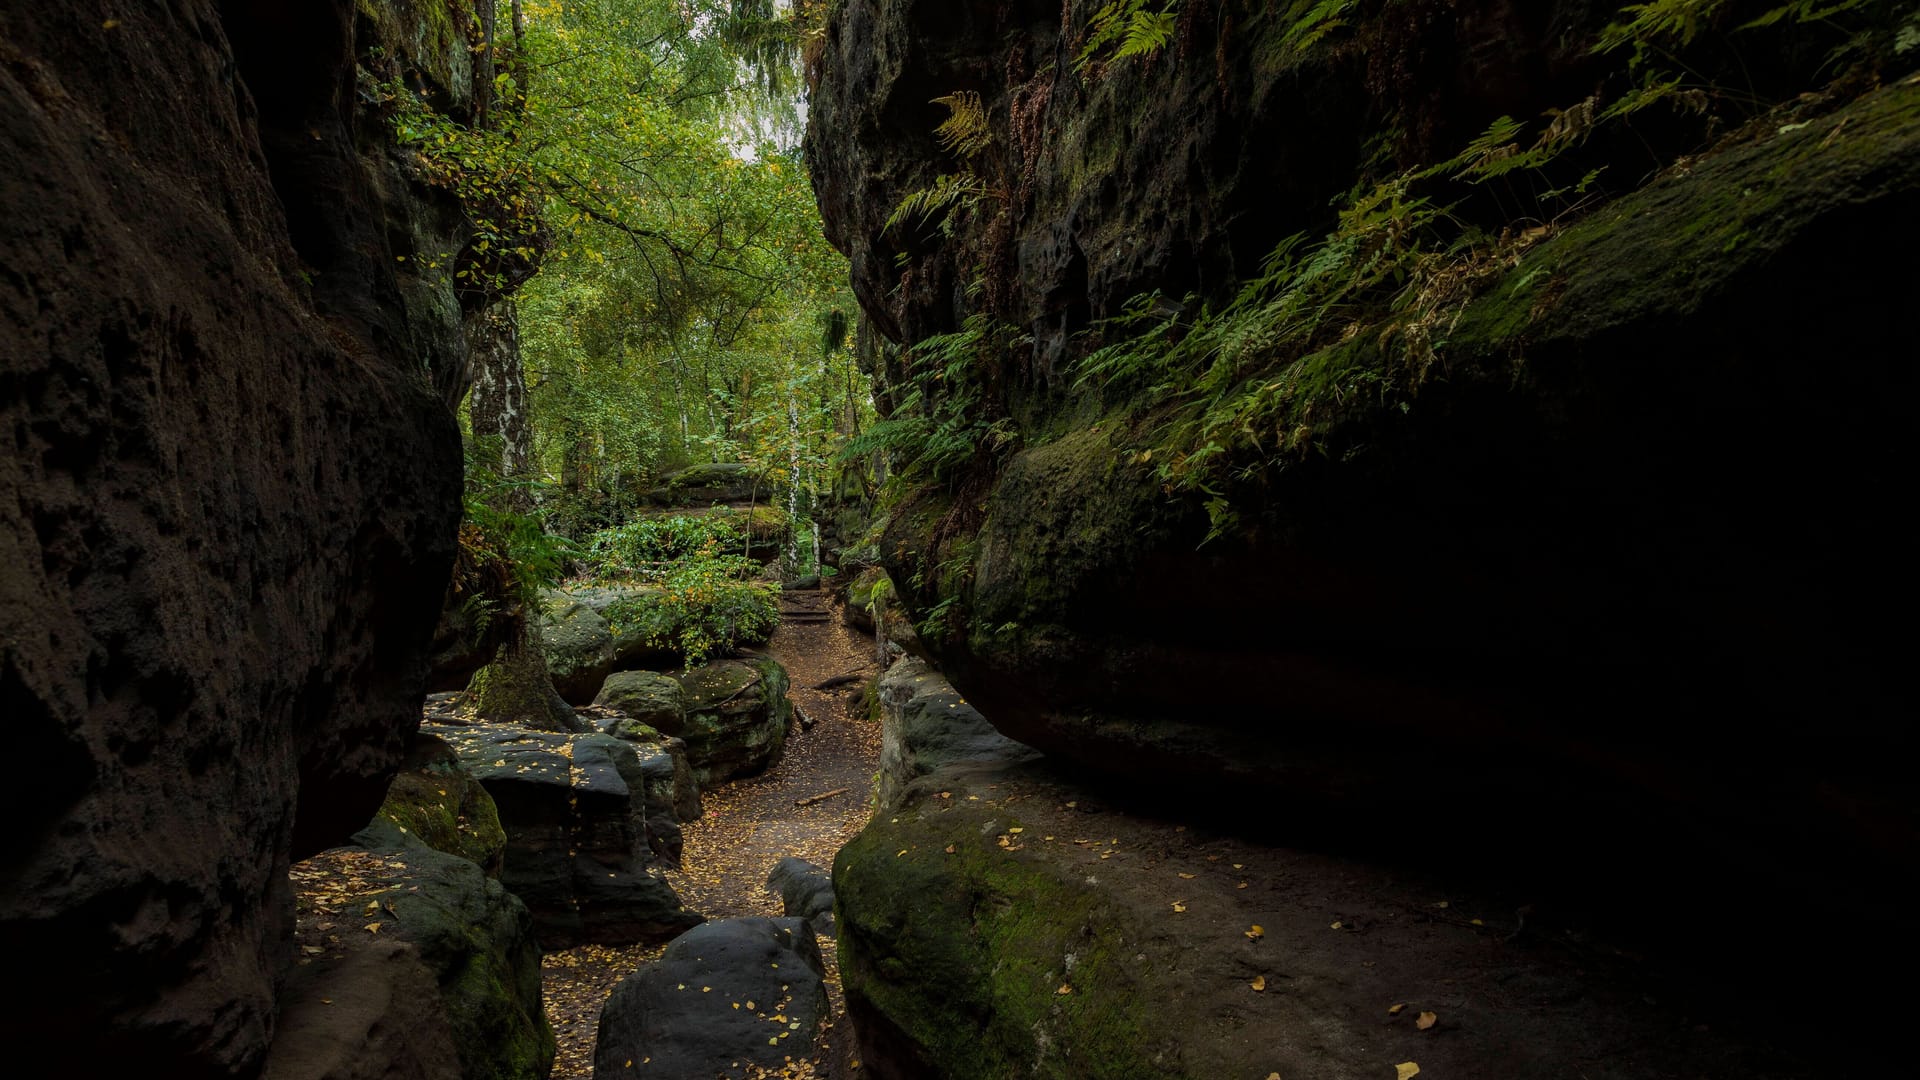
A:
747	825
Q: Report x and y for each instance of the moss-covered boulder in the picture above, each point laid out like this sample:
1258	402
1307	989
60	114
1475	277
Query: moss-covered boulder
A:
685	796
437	802
648	698
710	482
737	717
579	645
477	939
954	952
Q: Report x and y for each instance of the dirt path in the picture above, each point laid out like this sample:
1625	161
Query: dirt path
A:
749	825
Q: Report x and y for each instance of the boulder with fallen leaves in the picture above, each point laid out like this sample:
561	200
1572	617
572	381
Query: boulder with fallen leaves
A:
729	995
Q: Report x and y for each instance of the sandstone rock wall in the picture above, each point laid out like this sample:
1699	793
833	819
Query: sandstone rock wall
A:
231	481
1597	566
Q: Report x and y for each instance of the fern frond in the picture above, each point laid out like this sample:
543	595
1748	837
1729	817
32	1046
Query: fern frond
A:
964	132
1127	28
1660	20
946	192
1147	33
1316	22
1804	11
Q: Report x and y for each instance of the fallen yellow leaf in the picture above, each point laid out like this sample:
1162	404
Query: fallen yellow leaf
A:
1188	877
949	849
1242	885
373	928
1179	905
1336	926
1476	922
1426	1020
899	853
1397	1009
1064	989
1406	1070
1273	1076
1259	982
1256	933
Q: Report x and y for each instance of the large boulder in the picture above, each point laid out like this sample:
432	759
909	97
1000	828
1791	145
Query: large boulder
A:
713	482
575	811
420	966
371	1010
593	633
726	998
1004	921
926	725
578	643
806	892
737	717
435	800
648	698
232	477
671	786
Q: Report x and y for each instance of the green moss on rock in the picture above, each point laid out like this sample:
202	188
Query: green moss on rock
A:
954	950
446	809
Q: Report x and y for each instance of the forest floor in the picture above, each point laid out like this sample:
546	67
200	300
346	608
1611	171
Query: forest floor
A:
749	825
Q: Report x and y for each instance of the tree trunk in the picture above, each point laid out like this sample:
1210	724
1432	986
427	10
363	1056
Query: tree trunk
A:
498	407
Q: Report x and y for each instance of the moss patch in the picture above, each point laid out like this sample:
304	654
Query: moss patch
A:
960	949
449	811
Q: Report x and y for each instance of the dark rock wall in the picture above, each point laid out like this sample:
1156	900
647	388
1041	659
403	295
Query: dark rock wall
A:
1605	577
230	491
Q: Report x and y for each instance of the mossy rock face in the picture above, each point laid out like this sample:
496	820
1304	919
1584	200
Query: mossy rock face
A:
436	801
650	699
578	642
873	606
953	952
431	37
927	725
1066	523
477	939
737	717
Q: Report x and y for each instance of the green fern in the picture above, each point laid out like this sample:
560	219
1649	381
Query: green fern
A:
1805	11
1679	22
1127	28
1314	20
1674	21
947	192
964	132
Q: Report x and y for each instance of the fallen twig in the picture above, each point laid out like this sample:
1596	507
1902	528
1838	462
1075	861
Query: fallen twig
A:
822	797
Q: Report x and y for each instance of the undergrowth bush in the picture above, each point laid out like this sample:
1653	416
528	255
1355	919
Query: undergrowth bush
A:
706	602
650	549
704	607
